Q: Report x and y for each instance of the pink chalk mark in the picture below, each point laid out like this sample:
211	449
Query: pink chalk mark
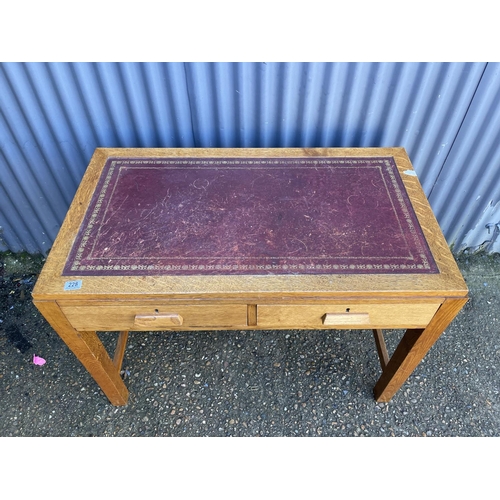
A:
37	360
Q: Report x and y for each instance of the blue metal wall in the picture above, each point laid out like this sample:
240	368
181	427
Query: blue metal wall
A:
466	196
53	116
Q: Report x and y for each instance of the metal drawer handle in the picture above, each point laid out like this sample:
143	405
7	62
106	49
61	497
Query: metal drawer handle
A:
347	318
158	320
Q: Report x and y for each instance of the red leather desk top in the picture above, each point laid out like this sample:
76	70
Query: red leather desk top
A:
187	216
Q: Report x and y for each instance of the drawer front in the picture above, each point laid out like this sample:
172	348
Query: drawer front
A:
105	317
347	316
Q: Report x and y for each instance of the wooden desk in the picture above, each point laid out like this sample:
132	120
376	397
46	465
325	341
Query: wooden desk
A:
211	239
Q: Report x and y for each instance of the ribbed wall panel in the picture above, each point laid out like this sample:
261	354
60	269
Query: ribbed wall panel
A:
470	183
53	116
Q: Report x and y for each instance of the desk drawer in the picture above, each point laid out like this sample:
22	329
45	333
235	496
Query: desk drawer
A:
106	317
347	315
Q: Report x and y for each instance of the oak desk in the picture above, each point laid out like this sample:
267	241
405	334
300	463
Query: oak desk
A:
211	239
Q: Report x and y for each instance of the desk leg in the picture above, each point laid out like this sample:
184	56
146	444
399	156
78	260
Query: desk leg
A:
89	350
413	347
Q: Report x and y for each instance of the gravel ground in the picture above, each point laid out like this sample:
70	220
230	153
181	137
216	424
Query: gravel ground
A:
251	383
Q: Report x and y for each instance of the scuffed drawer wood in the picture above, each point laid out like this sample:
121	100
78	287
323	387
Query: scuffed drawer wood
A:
347	315
106	317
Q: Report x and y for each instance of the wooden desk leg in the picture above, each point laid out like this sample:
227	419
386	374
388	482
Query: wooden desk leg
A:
89	350
413	347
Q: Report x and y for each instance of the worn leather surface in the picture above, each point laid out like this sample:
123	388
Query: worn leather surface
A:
188	216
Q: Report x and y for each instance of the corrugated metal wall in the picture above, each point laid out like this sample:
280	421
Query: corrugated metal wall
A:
53	116
466	196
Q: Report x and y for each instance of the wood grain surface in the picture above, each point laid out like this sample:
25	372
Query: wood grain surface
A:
448	280
423	303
